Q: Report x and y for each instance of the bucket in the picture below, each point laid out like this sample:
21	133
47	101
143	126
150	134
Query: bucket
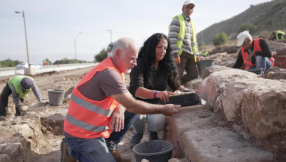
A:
257	71
203	64
56	97
154	151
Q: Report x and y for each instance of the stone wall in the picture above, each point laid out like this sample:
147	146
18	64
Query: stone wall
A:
249	101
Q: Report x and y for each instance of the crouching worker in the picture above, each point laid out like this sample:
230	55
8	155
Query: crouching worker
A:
19	86
98	98
255	53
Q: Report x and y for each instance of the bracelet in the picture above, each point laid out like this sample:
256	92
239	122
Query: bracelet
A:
155	94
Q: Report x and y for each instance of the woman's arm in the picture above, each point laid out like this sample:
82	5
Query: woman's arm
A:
145	93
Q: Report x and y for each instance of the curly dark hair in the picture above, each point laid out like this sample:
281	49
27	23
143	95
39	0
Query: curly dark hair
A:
148	51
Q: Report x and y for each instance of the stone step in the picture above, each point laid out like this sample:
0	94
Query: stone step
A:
221	145
201	138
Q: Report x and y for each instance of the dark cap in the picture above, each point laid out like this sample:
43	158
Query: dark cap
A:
26	83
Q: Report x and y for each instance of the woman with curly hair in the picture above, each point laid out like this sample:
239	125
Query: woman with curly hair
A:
155	70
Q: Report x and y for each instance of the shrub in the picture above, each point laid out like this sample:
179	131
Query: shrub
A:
220	39
101	55
251	28
202	46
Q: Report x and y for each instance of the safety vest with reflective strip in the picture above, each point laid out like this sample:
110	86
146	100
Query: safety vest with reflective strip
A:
249	64
181	35
88	118
16	82
279	32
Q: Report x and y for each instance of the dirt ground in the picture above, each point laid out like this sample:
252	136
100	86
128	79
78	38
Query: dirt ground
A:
64	80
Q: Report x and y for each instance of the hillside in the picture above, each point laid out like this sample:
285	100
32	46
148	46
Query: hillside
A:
267	17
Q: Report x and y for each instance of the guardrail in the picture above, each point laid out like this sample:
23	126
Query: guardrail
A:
47	66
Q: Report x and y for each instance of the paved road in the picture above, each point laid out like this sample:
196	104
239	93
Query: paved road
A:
48	68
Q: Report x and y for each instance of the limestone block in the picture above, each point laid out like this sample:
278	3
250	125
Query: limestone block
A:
211	69
275	73
194	84
5	133
232	97
264	108
221	145
211	89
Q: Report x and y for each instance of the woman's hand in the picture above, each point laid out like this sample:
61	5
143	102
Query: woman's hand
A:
164	95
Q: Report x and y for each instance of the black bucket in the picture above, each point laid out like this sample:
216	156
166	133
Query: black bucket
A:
257	71
154	151
203	64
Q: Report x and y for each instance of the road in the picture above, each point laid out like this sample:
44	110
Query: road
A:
46	68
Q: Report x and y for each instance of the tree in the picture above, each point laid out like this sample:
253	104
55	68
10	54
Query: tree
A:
251	28
101	55
220	39
9	63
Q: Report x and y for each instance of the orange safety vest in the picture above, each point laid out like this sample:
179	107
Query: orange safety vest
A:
249	64
88	118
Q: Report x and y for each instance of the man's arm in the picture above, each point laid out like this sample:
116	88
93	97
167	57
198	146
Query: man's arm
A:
16	98
36	91
140	107
265	49
239	61
173	36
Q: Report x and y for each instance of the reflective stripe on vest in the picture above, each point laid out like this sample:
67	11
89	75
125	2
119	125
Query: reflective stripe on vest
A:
88	118
16	81
279	32
248	64
181	35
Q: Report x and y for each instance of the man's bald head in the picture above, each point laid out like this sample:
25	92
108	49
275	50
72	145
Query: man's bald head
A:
124	54
124	44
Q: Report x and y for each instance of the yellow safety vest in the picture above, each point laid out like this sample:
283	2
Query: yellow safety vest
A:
279	32
181	35
16	82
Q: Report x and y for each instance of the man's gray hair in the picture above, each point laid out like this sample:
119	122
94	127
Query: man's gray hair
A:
121	44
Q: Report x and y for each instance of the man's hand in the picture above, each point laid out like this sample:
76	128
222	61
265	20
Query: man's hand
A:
170	109
250	56
23	110
177	60
117	119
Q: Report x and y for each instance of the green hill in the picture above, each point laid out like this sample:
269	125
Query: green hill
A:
266	17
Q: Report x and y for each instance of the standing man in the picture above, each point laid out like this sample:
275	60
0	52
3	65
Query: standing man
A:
97	101
183	39
255	53
19	86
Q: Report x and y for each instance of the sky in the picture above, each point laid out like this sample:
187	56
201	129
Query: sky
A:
58	29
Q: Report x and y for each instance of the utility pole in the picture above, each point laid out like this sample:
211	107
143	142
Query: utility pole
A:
25	36
75	44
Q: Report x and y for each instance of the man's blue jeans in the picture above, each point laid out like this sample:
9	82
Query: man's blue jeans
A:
262	62
89	150
116	137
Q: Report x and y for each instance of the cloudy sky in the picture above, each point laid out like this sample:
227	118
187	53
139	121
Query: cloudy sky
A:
53	25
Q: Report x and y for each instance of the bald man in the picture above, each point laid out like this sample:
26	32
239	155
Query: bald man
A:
98	103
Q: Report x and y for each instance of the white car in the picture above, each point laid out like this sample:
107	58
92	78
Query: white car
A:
25	65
